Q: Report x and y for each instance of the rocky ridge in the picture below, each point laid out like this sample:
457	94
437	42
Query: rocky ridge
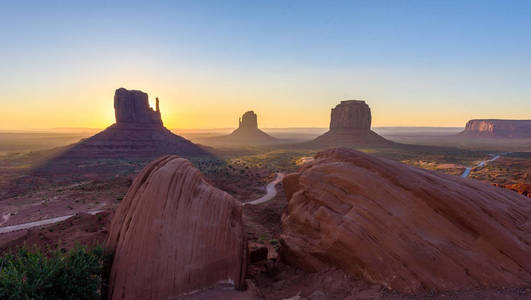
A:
493	128
409	229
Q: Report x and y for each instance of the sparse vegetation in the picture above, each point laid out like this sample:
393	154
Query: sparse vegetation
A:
57	274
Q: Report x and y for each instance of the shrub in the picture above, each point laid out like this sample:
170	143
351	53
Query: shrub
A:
58	274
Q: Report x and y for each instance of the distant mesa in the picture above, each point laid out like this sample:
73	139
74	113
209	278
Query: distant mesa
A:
409	229
249	120
132	108
137	133
350	124
247	133
494	128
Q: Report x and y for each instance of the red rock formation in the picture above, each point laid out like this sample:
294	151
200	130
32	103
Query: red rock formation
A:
137	133
133	107
174	233
248	120
498	128
350	124
351	114
247	133
406	228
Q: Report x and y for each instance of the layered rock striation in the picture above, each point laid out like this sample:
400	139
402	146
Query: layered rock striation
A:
408	229
174	234
498	128
350	124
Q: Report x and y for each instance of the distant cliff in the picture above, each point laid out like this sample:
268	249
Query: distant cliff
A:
498	128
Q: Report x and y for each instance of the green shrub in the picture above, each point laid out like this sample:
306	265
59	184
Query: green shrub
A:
58	274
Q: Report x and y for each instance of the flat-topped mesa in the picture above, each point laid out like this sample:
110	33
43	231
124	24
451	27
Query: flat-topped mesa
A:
132	107
248	120
498	128
350	125
351	114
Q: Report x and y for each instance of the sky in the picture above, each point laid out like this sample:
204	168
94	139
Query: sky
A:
416	63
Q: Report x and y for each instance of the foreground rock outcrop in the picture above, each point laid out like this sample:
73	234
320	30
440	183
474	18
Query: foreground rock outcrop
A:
137	133
247	133
408	229
498	128
174	234
350	124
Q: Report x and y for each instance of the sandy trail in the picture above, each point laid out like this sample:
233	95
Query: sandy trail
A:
40	223
271	191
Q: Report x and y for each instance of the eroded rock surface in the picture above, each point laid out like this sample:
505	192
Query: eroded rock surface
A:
174	234
133	107
498	128
350	124
138	133
351	114
406	228
249	120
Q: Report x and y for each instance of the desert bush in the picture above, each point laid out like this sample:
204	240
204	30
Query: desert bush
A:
57	274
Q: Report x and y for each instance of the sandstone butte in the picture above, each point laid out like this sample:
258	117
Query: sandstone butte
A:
137	133
350	124
247	132
174	234
493	128
409	229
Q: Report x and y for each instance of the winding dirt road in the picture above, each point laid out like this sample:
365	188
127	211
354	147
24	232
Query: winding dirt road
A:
40	223
481	164
271	191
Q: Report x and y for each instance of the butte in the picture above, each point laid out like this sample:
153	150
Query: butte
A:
350	125
247	133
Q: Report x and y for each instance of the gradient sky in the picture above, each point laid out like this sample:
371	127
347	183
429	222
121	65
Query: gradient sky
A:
416	63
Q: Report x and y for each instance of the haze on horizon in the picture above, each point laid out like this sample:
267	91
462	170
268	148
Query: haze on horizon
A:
416	63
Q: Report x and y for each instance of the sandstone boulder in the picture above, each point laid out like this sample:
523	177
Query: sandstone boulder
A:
174	234
498	128
406	228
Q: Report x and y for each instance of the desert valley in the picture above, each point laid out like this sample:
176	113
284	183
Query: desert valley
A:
349	213
265	150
